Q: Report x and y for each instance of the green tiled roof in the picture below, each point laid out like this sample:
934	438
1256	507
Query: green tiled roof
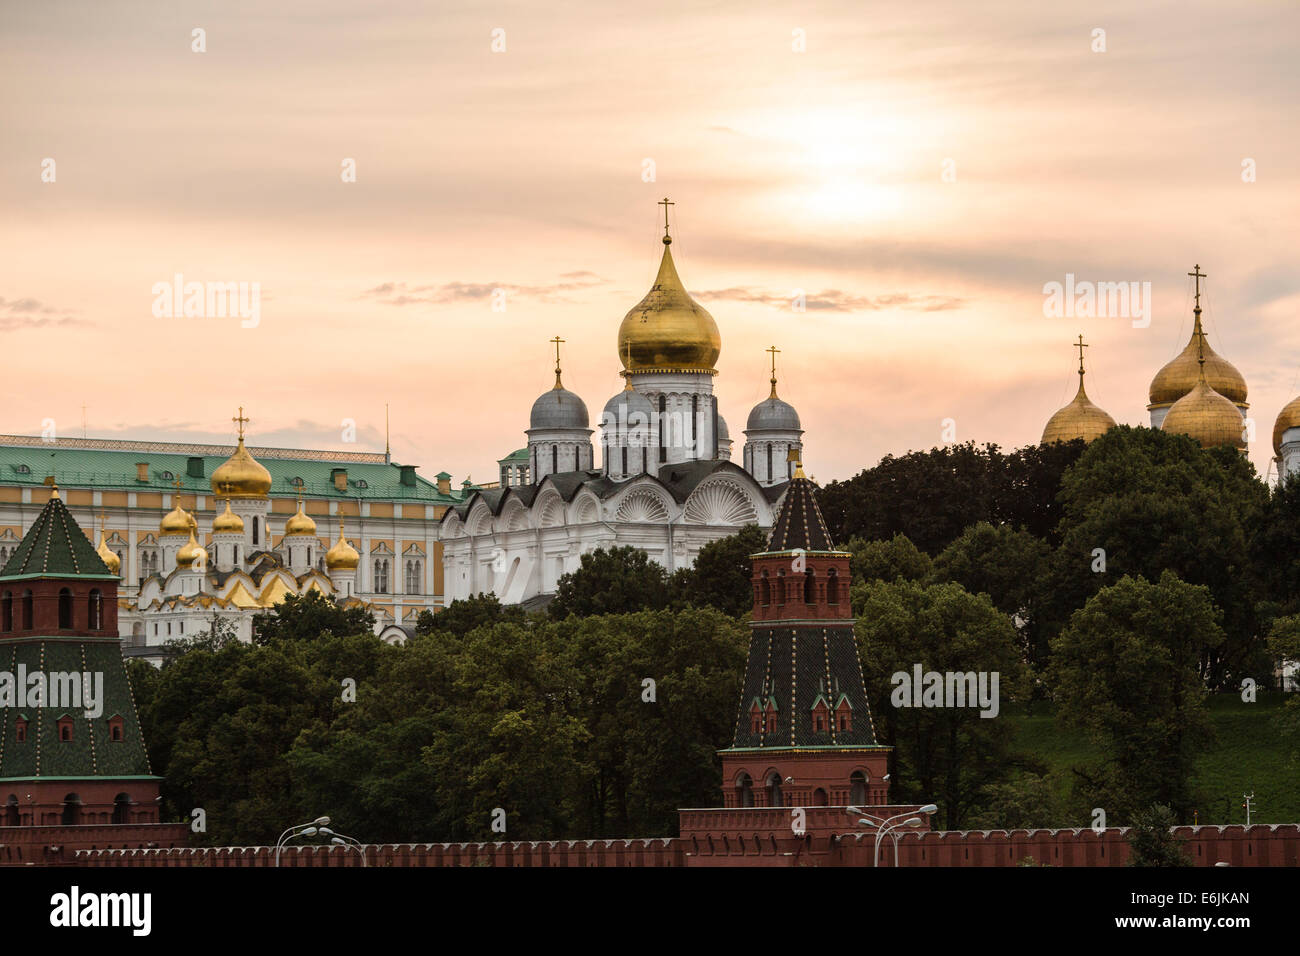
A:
55	547
520	455
27	462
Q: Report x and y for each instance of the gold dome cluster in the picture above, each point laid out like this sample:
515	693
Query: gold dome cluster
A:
342	557
668	331
1081	418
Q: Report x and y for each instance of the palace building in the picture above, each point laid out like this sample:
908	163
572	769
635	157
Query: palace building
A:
665	481
197	532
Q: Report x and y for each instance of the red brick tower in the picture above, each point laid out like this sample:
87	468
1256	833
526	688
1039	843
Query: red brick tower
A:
804	736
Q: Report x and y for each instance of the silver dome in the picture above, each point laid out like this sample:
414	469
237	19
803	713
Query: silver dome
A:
558	408
628	409
724	433
772	414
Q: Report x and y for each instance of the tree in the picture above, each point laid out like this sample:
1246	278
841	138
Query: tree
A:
1009	566
721	575
1125	671
308	616
886	560
1151	839
467	614
947	754
1145	501
619	580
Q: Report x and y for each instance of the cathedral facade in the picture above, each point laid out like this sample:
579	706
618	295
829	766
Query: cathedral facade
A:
665	482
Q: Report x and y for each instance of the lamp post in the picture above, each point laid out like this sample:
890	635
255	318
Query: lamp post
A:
296	831
889	825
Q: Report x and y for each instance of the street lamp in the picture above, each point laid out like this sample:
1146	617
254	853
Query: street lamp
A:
295	831
889	825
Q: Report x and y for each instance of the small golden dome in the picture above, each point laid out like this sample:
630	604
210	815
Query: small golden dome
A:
1080	419
1206	416
176	521
241	476
300	523
227	522
107	555
668	330
1180	375
1289	417
342	557
190	552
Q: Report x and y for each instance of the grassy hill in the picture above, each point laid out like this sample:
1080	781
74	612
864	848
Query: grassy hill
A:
1248	756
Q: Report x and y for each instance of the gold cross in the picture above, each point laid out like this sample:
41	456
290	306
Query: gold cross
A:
241	421
665	203
558	341
774	350
1080	346
1199	276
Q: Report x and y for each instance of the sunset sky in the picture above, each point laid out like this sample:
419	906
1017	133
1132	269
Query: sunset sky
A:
819	170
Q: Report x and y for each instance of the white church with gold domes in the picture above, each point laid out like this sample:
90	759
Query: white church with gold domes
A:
665	482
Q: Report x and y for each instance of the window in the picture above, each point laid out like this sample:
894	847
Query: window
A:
411	581
23	470
71	810
361	483
770	476
27	610
12	818
663	408
857	788
167	476
7	612
122	809
65	729
780	589
65	609
255	529
95	610
745	791
555	459
381	576
764	591
832	587
116	730
809	588
695	418
774	796
20	730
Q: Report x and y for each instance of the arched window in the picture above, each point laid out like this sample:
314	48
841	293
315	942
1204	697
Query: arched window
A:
832	587
71	810
663	409
624	471
764	591
769	476
95	610
695	419
122	808
255	530
819	798
857	788
27	610
65	609
774	796
555	459
115	725
780	589
745	791
7	611
809	588
381	576
11	811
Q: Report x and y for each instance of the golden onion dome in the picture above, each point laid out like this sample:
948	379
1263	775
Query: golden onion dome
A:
227	522
1080	419
668	330
241	476
1289	417
300	523
342	557
1180	375
1206	416
190	552
176	521
107	555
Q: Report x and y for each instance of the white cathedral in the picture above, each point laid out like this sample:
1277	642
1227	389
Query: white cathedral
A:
666	483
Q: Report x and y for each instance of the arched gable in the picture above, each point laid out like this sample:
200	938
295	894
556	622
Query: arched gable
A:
724	500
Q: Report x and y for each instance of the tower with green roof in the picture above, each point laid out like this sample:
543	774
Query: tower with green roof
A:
71	750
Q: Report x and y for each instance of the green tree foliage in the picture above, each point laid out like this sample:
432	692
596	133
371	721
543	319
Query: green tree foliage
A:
1151	840
461	617
1153	502
308	616
933	496
1275	550
1126	672
721	575
611	581
1008	565
886	560
946	754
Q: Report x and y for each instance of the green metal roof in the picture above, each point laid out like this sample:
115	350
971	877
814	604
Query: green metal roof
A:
101	469
55	547
520	455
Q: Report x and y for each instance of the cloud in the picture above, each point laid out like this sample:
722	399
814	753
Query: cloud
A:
833	300
29	313
402	293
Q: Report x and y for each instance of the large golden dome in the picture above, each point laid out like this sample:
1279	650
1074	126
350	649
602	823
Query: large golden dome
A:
1206	416
1289	417
227	522
342	557
241	476
176	521
1080	419
1180	375
190	552
668	330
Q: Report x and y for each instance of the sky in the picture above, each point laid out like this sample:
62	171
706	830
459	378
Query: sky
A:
920	171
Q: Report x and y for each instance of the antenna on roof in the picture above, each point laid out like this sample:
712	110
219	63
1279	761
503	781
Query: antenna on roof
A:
388	453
